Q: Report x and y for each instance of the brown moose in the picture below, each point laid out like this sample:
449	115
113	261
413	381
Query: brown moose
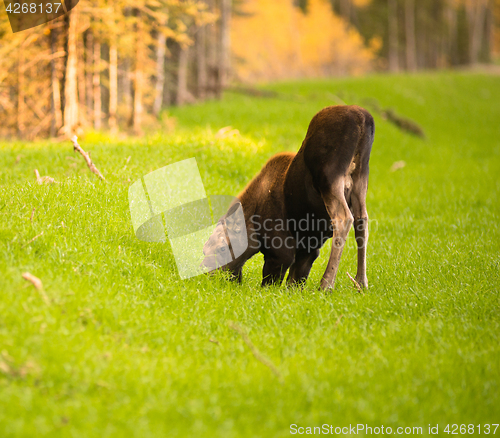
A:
298	201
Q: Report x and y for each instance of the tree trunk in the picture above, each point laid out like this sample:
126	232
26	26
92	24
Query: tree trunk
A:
475	15
70	87
113	85
21	106
161	44
82	92
56	94
201	61
182	90
411	49
138	77
225	45
127	87
452	45
213	87
345	10
489	31
96	82
393	35
89	67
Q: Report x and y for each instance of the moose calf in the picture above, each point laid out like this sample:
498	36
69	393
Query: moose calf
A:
300	200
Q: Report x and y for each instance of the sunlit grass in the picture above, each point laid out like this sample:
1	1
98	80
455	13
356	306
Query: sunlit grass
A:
126	348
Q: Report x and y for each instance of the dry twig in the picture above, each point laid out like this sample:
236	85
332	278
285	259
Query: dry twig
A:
86	156
338	321
358	287
256	353
32	240
227	132
32	214
35	281
43	179
398	165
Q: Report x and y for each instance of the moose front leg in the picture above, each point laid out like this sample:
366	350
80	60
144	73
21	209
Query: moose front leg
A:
358	199
342	220
299	271
275	267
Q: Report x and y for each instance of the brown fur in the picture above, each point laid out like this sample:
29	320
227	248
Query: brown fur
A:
323	185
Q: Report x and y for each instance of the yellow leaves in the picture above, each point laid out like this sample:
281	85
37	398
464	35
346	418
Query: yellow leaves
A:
277	40
361	3
376	44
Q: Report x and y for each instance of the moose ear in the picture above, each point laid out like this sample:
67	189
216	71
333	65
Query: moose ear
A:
235	220
233	209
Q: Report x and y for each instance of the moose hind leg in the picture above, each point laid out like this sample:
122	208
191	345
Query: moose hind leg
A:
342	220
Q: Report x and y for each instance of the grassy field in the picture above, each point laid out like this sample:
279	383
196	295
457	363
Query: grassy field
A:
120	346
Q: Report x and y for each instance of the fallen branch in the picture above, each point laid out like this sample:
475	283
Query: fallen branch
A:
338	320
43	179
403	123
256	353
253	92
86	156
226	132
397	165
32	240
35	281
358	287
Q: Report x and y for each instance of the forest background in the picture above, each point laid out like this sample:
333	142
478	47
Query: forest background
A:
116	65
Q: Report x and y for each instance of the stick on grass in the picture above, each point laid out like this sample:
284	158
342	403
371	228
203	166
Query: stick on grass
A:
43	179
86	156
256	353
32	240
338	321
358	287
35	281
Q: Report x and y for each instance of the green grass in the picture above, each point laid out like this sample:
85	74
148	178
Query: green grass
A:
123	346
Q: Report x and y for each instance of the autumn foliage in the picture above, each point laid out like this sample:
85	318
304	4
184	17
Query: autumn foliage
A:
274	40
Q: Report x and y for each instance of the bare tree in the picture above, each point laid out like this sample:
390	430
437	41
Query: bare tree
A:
476	17
56	121
89	70
225	46
161	44
113	85
182	91
70	87
392	9
201	61
411	48
96	83
139	75
82	89
213	79
345	9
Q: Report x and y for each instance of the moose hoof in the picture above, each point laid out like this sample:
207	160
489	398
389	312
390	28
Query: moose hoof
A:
363	282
